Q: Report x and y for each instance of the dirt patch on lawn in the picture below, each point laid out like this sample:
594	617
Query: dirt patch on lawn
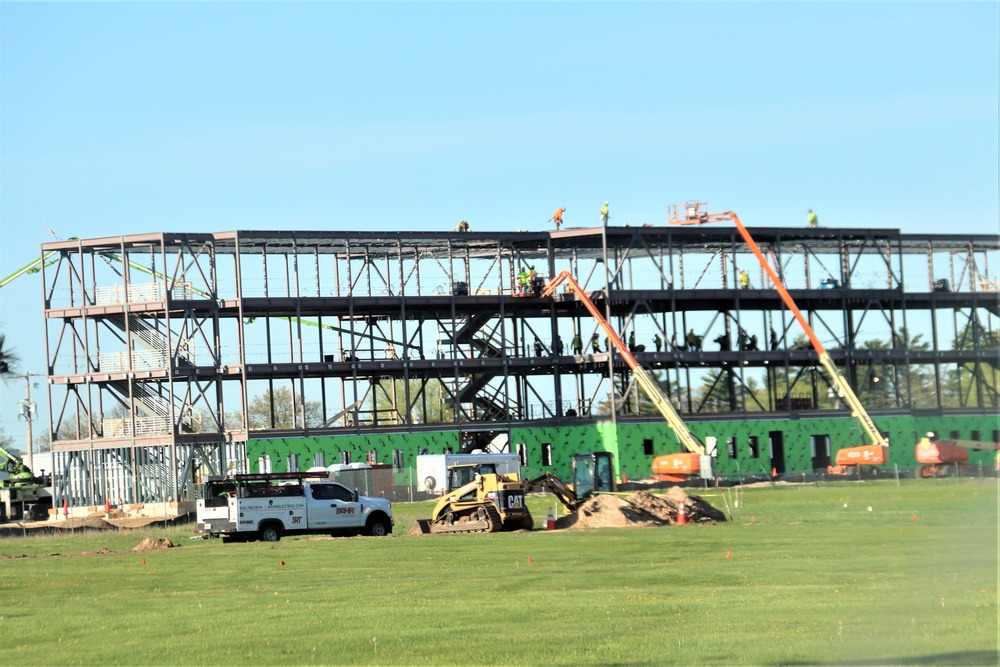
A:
80	524
149	544
640	510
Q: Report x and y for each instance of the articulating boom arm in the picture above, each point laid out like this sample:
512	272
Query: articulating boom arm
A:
652	389
839	382
562	491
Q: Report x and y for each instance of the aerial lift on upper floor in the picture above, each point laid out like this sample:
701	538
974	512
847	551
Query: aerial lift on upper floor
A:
874	453
671	467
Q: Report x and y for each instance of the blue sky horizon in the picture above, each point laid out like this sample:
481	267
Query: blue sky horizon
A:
125	118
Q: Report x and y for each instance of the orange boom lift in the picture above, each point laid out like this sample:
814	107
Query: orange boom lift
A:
671	467
875	453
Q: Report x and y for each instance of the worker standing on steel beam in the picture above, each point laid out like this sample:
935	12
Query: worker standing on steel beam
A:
577	344
604	214
813	219
557	217
462	226
744	279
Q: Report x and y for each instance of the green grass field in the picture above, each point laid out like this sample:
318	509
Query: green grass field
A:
809	581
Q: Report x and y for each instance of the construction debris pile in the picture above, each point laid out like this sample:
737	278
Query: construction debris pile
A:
640	510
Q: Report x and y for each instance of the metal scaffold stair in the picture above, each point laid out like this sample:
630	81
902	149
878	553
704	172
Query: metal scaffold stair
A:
154	343
155	408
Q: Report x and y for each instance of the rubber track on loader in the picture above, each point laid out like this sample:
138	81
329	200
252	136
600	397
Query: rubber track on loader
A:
492	524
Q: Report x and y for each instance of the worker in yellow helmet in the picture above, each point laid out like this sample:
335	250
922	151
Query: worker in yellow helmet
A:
744	279
604	214
813	219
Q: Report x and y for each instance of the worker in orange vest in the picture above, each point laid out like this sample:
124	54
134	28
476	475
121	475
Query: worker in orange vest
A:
557	217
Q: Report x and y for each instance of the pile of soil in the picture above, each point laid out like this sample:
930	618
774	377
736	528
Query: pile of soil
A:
640	510
149	544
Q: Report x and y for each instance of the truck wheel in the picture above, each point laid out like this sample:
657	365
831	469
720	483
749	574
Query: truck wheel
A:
269	534
379	527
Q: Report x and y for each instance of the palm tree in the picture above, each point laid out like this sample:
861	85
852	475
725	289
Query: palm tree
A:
9	360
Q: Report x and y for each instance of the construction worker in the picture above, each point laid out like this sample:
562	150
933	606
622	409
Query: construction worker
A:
533	285
604	214
595	344
631	342
538	347
462	226
557	217
813	219
559	345
522	281
577	344
657	342
744	279
774	339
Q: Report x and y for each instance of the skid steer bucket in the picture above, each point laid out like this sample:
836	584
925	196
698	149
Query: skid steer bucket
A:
420	527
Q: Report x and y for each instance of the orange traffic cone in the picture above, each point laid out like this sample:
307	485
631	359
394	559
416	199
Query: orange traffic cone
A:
774	472
550	523
682	517
729	553
65	508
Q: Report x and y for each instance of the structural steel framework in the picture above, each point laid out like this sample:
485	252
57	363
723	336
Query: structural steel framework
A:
166	352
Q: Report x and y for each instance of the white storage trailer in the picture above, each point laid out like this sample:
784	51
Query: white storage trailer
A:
432	469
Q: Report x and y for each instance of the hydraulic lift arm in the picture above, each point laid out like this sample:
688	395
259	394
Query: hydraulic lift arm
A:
649	386
839	382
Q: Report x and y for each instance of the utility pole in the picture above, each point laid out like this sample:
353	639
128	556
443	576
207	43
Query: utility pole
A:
27	412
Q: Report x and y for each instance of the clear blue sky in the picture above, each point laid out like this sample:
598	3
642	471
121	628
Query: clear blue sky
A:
127	118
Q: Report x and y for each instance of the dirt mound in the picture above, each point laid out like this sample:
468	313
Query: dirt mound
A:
608	512
640	510
149	544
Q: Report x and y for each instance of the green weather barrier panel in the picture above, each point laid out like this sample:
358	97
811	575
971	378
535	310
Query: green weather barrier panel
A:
551	448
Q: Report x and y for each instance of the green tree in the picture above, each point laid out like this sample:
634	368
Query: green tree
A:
975	385
277	410
428	401
10	362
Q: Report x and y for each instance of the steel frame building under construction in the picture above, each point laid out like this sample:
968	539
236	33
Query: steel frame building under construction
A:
175	354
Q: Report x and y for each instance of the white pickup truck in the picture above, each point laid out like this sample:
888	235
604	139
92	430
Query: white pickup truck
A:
267	506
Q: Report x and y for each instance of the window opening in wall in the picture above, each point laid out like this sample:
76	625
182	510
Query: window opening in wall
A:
754	447
954	435
976	435
345	457
522	453
731	446
293	463
820	445
996	435
397	460
547	454
319	459
647	447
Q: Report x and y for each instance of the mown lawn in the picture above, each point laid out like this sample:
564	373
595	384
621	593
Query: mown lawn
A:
796	578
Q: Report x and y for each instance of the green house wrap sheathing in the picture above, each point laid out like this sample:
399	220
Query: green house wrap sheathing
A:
634	445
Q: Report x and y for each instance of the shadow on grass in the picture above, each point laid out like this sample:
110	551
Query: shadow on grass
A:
953	658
